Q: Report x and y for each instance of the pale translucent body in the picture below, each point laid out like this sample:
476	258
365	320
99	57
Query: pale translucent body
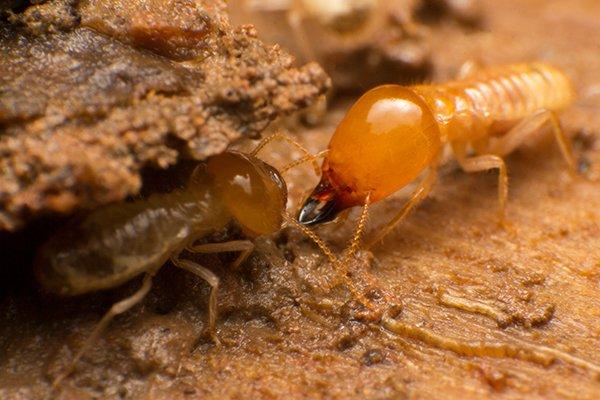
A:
115	243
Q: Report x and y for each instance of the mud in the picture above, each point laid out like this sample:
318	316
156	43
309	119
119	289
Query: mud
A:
461	308
83	113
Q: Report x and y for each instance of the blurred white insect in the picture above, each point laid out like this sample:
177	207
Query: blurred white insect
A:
359	42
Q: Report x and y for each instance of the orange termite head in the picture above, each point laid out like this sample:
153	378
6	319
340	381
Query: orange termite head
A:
385	141
253	192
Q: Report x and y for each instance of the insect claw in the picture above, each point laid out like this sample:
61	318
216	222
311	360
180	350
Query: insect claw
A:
322	205
206	338
316	211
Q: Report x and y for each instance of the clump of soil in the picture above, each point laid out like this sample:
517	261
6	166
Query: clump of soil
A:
92	92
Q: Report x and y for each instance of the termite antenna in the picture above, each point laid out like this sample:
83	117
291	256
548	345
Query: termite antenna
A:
362	222
340	268
303	160
355	244
307	155
352	249
313	236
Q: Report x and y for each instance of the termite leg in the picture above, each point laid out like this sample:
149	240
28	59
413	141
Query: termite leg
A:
116	309
213	281
295	16
469	68
524	129
339	265
245	247
280	136
418	195
484	163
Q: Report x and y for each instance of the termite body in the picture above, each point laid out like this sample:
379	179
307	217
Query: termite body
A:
393	134
118	242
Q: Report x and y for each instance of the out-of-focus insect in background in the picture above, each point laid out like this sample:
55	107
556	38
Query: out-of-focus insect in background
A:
360	43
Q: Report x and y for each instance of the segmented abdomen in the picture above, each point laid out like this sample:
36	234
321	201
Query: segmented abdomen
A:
516	91
467	109
117	242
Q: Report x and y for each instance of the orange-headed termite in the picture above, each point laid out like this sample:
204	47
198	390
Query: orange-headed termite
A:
392	134
118	242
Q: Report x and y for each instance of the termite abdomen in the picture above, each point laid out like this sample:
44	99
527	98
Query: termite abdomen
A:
480	105
118	242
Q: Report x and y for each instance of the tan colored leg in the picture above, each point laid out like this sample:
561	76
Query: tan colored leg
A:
418	195
524	129
341	266
293	143
484	163
468	69
300	161
213	281
116	309
294	18
245	247
313	236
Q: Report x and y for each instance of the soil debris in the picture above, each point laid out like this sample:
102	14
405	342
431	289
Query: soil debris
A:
82	113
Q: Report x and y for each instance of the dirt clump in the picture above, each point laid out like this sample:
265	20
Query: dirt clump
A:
93	92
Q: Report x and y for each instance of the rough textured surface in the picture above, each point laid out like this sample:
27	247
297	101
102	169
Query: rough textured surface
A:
178	29
363	43
286	336
82	113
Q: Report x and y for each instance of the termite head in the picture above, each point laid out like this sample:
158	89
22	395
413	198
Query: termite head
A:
327	200
387	138
253	192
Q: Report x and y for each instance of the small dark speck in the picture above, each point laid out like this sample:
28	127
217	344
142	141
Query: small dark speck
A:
584	140
346	343
583	166
282	239
372	356
374	294
289	255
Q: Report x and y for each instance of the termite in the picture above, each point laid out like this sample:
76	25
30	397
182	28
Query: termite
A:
116	243
351	39
393	134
